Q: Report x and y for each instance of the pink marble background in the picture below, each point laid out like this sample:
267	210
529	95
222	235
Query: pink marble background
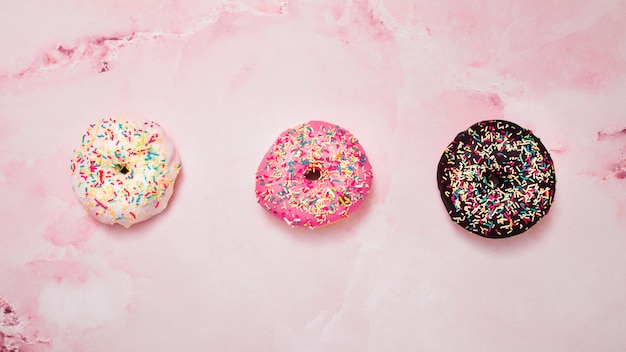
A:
215	272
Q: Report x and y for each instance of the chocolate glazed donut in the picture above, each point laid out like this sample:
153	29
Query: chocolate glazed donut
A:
496	179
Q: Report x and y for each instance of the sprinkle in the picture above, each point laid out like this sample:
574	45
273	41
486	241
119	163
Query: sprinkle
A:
100	204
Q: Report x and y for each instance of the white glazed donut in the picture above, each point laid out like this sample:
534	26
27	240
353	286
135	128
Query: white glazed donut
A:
124	171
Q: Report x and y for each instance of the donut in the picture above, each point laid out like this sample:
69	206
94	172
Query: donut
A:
496	179
313	175
124	171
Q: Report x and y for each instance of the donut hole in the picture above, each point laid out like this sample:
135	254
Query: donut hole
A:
123	169
313	173
495	179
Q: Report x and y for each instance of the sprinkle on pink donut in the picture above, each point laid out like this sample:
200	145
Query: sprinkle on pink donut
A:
313	175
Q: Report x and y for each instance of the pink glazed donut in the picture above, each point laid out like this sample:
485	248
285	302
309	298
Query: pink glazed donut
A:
313	175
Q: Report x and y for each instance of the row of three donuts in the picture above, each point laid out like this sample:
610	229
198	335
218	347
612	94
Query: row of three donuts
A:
317	173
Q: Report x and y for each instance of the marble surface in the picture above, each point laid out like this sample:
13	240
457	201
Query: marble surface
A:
215	272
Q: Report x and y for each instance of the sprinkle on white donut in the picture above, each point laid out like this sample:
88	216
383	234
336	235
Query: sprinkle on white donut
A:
124	171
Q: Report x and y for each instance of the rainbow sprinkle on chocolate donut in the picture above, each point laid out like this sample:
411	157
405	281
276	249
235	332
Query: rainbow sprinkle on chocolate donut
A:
496	179
314	174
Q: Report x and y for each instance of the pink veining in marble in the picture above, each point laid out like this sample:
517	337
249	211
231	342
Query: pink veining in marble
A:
214	273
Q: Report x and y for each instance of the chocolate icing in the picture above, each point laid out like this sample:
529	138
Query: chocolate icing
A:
496	179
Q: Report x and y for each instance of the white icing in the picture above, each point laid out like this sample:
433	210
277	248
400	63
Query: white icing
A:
108	149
